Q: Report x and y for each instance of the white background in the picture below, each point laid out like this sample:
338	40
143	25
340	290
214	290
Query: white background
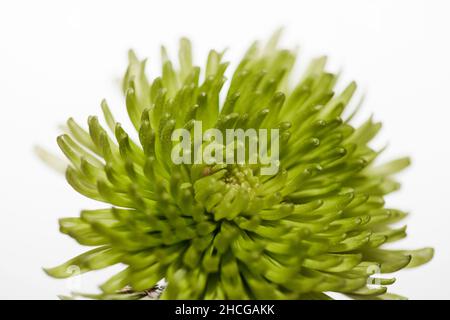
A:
60	58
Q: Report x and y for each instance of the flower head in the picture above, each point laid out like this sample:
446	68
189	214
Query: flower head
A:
226	231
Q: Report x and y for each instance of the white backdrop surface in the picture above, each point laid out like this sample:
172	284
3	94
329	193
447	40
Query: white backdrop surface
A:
60	58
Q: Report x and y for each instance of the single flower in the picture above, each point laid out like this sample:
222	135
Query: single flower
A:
226	231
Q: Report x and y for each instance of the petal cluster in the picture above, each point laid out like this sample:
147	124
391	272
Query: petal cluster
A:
224	231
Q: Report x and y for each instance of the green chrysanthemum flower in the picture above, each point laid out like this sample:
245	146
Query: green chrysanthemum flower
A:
226	231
